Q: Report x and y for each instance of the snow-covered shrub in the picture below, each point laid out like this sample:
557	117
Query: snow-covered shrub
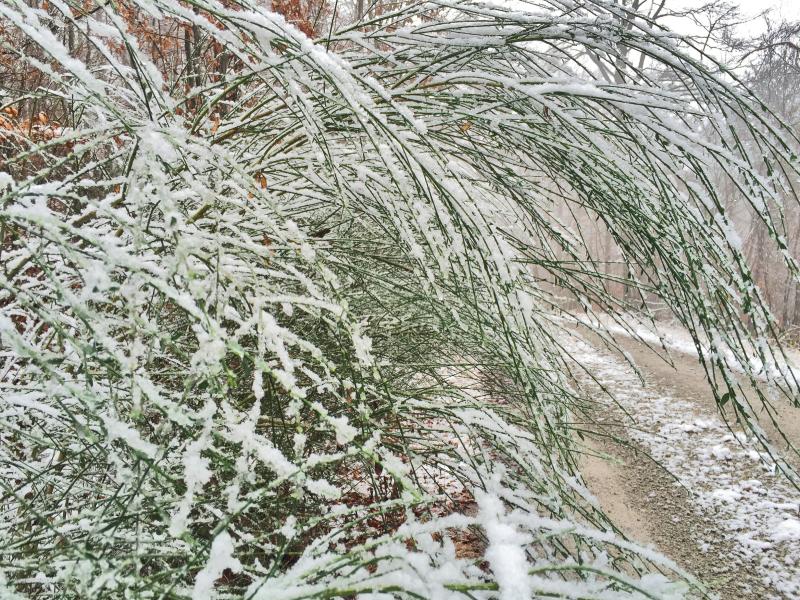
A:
290	332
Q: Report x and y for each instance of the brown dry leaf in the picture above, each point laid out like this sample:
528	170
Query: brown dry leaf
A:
216	121
465	126
467	545
262	180
42	118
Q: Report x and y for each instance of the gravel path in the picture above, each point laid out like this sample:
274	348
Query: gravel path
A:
728	518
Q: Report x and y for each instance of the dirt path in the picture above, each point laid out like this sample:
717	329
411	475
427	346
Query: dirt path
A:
729	519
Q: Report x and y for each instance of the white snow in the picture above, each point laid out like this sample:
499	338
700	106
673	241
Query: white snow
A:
363	347
221	558
5	180
117	430
787	530
506	551
759	517
677	339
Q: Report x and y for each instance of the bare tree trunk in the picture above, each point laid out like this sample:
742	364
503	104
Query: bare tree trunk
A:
190	46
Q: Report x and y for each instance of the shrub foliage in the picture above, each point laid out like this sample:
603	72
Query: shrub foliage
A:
283	317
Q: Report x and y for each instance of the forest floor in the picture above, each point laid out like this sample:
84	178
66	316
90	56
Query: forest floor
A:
681	481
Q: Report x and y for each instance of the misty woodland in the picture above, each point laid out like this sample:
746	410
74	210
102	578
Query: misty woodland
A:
342	300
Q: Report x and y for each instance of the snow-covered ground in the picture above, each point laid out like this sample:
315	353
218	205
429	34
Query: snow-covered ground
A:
675	338
753	510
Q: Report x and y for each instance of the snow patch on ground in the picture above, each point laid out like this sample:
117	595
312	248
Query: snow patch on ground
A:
733	484
677	339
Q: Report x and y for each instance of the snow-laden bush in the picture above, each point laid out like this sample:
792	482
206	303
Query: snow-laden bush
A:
293	331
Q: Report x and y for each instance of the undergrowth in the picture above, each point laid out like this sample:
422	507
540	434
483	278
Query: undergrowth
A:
291	330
